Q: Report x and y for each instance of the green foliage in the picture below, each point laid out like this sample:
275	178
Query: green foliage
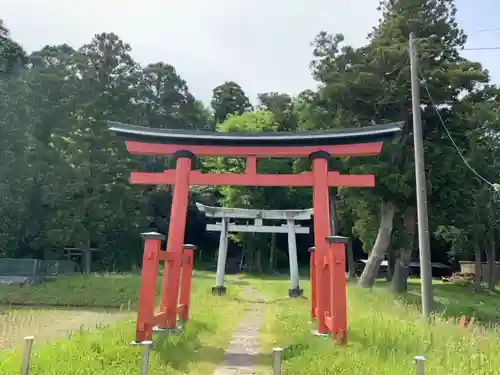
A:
371	84
254	197
229	99
64	178
12	55
282	108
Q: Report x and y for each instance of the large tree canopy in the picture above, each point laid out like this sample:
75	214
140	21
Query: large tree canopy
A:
64	177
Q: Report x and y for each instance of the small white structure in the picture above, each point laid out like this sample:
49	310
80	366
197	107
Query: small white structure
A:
225	226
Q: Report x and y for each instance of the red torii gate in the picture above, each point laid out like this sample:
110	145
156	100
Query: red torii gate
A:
328	300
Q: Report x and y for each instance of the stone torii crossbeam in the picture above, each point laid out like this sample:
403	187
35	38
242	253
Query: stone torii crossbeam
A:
226	214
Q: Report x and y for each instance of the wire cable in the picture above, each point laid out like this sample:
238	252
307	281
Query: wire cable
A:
485	30
496	187
497	48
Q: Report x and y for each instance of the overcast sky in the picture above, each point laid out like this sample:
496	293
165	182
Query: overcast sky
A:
262	45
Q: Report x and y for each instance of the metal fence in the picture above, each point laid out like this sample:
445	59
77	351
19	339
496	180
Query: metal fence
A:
52	268
34	270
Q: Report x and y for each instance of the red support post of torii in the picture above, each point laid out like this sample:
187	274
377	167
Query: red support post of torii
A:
186	276
338	296
147	288
147	319
312	276
329	297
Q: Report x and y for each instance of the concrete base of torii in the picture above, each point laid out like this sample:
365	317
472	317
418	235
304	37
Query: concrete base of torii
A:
219	290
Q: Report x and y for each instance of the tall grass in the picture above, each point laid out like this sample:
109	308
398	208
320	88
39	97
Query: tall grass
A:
384	335
75	291
108	351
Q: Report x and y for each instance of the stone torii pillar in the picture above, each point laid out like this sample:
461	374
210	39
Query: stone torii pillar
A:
294	290
219	288
225	226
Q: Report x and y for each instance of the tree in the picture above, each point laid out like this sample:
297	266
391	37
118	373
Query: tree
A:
103	204
371	84
229	99
52	97
12	55
65	176
281	106
254	197
15	169
166	100
474	227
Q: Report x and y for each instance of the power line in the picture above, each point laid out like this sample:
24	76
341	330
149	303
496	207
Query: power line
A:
494	186
486	48
497	48
493	48
486	30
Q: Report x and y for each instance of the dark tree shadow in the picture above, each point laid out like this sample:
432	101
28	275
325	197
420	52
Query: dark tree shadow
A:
266	302
453	301
202	276
270	277
178	349
294	350
213	355
238	282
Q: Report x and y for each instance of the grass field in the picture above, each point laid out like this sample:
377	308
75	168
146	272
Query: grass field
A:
108	351
384	334
110	291
454	300
52	324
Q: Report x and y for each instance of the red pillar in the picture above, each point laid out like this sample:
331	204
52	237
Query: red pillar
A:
327	289
321	211
147	289
338	287
312	277
176	228
186	276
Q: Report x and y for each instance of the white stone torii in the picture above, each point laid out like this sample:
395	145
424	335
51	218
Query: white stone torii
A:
225	226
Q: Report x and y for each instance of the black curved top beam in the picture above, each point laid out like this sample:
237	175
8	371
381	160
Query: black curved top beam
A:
375	133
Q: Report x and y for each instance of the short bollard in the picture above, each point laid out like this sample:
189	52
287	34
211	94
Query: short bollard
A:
419	364
277	360
28	344
145	356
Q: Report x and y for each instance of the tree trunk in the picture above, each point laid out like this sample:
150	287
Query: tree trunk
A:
258	260
255	247
86	257
477	266
492	281
391	263
272	253
351	265
383	240
332	192
476	237
399	282
491	254
242	258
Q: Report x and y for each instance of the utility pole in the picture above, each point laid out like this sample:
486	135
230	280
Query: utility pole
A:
423	220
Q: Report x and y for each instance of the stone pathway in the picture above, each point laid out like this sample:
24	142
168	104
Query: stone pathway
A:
244	345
